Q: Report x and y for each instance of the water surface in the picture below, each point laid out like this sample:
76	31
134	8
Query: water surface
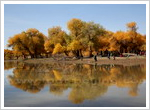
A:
75	85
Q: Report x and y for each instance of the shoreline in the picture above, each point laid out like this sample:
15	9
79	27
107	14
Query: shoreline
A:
136	60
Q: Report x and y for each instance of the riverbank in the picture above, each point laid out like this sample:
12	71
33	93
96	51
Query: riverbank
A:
135	60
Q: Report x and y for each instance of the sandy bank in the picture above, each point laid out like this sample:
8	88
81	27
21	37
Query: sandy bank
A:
101	60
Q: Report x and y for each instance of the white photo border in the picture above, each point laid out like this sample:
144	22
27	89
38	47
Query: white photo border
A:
74	2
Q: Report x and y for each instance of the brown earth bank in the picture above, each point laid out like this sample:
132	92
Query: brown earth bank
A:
136	60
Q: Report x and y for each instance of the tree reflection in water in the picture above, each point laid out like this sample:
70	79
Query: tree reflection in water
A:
86	81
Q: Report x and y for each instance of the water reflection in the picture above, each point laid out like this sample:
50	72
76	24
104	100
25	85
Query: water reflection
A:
86	81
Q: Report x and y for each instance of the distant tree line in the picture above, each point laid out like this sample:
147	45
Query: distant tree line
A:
84	39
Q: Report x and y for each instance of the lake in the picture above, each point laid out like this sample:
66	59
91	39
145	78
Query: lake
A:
74	85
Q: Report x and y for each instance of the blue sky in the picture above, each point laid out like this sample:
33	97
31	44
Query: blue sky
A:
113	17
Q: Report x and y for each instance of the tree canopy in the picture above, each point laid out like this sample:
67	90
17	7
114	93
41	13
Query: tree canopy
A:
82	37
30	42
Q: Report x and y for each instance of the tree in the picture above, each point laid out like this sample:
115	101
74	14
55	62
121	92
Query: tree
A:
19	42
86	33
48	46
136	39
17	54
30	42
84	37
8	54
120	41
132	26
137	43
129	41
132	33
105	41
91	33
37	40
56	35
75	27
75	46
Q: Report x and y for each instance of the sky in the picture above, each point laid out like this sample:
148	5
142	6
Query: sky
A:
113	17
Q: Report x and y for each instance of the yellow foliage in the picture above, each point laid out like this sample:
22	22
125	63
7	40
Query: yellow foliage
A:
56	35
71	54
57	75
83	36
113	49
104	43
8	54
32	31
120	36
86	53
94	53
75	26
143	47
131	24
74	45
54	31
17	53
31	42
58	49
133	92
113	46
48	46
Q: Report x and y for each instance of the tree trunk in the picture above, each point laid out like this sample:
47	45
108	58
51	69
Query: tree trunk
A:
121	50
46	55
66	53
77	53
90	50
80	53
32	56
